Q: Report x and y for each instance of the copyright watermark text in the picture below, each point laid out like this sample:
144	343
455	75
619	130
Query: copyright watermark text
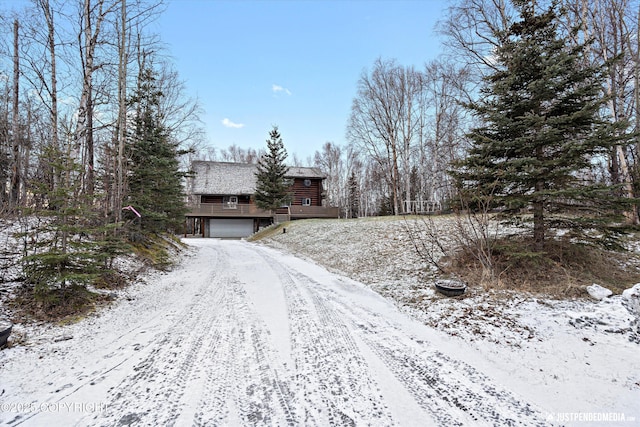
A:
30	407
589	417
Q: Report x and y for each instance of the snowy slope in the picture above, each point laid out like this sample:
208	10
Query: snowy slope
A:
578	359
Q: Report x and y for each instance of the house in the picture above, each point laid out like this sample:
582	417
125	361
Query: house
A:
221	199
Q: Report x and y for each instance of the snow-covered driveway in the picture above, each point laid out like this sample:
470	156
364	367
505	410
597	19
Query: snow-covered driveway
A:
241	334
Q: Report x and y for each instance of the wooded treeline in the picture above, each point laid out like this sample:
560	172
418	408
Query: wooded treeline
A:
69	71
94	123
408	125
96	130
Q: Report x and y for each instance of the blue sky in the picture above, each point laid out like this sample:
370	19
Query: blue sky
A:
294	64
291	63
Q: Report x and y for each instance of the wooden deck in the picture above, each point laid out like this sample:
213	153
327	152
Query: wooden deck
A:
226	210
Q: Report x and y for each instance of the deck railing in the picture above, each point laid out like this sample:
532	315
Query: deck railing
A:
238	210
300	212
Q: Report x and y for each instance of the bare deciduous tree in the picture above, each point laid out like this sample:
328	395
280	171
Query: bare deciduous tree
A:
330	160
236	154
383	123
612	26
16	166
472	29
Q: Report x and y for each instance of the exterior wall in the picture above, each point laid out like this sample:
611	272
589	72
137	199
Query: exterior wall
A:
313	192
300	192
206	198
210	199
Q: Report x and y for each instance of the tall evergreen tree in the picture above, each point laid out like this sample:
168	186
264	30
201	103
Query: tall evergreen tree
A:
541	131
273	189
155	182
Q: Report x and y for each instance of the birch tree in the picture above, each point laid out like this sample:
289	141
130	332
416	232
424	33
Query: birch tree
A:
330	161
117	190
16	166
4	146
471	27
446	122
378	123
612	27
92	18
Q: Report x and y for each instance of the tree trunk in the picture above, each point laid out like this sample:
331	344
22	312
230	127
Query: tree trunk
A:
395	178
54	79
538	219
84	140
16	167
538	210
26	159
636	82
53	111
632	215
85	118
5	149
122	112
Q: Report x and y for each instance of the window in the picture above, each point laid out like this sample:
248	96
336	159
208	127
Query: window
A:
306	201
230	202
307	183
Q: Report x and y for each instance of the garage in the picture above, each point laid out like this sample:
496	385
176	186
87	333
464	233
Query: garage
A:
230	227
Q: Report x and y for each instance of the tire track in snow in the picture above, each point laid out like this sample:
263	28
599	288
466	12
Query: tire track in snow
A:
160	379
153	394
261	396
212	405
333	381
275	390
242	385
219	345
453	392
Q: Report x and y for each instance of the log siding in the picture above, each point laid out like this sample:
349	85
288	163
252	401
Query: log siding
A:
301	191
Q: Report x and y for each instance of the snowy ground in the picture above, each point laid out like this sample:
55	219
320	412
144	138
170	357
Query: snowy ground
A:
577	359
245	334
241	335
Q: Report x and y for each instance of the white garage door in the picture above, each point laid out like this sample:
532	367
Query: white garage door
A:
230	227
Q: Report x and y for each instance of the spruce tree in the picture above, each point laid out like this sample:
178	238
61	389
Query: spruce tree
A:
155	183
541	129
273	189
66	244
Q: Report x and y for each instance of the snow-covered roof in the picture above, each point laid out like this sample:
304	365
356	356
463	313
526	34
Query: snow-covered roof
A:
236	178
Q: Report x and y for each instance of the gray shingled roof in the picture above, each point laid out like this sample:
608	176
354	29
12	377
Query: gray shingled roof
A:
235	178
299	172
